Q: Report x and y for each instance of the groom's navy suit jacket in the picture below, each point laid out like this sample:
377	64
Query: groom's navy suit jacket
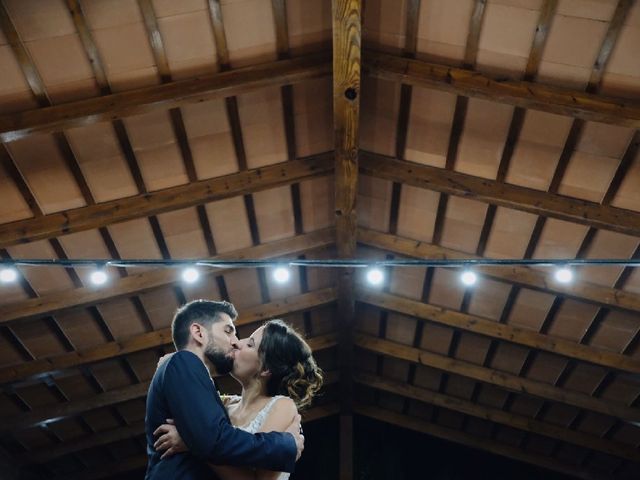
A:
183	390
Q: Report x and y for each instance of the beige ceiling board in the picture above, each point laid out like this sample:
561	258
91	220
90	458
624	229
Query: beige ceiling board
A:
374	201
417	215
380	103
183	233
312	117
462	224
383	24
274	212
316	198
628	195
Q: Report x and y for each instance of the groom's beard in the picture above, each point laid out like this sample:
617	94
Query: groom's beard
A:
221	361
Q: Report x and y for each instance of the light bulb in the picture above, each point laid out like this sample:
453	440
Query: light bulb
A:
468	278
564	275
8	275
281	274
190	275
375	276
99	277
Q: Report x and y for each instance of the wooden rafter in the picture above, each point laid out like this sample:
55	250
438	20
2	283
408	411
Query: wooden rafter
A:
498	416
449	434
162	97
173	198
498	378
499	331
505	195
346	107
518	275
73	408
535	96
156	338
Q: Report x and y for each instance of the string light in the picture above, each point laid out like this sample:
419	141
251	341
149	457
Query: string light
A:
99	277
375	276
281	274
563	275
469	278
8	275
190	275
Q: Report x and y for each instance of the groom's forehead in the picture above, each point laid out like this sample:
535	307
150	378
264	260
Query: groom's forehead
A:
225	321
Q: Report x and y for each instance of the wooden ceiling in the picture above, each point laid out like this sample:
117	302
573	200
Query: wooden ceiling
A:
162	129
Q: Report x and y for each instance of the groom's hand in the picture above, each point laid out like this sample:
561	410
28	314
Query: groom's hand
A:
169	440
295	429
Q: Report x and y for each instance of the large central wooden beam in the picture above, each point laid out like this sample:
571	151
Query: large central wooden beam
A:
502	194
499	331
152	279
163	97
346	108
469	83
498	378
174	198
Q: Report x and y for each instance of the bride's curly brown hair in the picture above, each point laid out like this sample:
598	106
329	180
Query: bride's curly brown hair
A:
294	372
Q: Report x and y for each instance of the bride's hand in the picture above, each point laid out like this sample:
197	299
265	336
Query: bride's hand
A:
168	439
163	359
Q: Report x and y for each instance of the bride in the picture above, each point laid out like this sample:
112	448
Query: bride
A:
278	375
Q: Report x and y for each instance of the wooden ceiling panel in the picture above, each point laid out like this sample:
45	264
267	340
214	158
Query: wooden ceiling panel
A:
81	328
313	117
590	9
427	377
629	194
378	115
318	278
594	423
145	363
450	419
491	396
509	436
250	30
509	357
401	329
459	387
391	402
571	50
407	282
628	434
546	367
588	176
38	395
205	287
570	454
384	25
87	244
281	291
210	138
584	378
43	280
472	348
374	201
430	118
168	8
622	62
9	355
526	405
160	305
446	288
417	215
510	233
110	374
183	234
607	245
122	318
530	309
243	288
506	36
37	20
489	298
559	239
12	293
483	138
115	13
228	220
560	414
15	94
75	386
317	199
323	320
263	127
309	25
33	438
622	389
42	165
366	319
134	239
463	224
436	338
101	161
540	445
443	28
124	49
615	331
133	410
572	320
479	427
365	361
537	151
395	369
274	213
420	409
188	42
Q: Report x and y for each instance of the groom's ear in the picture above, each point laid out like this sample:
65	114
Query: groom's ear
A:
198	333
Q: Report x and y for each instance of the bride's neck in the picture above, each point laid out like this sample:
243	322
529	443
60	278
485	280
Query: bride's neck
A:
253	390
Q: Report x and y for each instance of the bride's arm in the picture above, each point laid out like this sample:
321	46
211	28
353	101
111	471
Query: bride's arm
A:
279	419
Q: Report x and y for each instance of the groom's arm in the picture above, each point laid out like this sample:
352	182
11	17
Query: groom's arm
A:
205	429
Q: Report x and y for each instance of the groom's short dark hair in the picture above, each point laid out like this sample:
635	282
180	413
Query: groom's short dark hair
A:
205	312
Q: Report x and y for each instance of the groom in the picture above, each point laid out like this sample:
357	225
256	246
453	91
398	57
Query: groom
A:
182	389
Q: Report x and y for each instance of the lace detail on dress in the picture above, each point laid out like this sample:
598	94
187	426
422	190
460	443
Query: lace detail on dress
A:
254	425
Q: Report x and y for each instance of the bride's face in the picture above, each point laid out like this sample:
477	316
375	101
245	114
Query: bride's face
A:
246	362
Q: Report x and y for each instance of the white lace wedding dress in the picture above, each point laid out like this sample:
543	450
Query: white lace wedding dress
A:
254	425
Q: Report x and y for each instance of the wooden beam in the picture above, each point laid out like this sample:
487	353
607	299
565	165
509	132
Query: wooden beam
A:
479	443
346	108
501	194
498	378
496	330
59	411
520	422
523	276
174	198
162	97
157	338
536	96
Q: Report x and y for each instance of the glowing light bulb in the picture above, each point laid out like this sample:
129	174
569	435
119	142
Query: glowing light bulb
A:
281	274
468	278
99	277
375	276
564	275
8	275
190	275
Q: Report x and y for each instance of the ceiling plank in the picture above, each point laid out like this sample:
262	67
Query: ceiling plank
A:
501	194
519	275
162	97
456	436
520	422
174	198
59	411
535	96
346	108
499	378
492	329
